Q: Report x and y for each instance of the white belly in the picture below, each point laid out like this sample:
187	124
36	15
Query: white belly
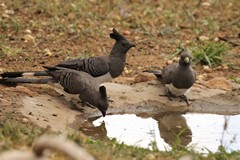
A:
104	78
176	91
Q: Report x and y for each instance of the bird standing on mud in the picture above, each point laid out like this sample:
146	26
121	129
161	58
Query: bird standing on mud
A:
178	78
78	82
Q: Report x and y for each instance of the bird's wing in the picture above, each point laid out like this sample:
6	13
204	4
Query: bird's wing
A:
167	73
95	66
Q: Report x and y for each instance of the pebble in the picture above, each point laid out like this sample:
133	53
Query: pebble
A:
136	38
207	69
169	62
143	77
5	15
3	5
225	67
24	120
126	32
29	38
11	12
28	31
203	38
47	52
206	4
175	59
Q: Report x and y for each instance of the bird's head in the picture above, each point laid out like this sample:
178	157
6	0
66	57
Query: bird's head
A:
103	102
122	45
186	58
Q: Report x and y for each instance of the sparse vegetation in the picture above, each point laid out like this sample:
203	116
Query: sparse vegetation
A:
9	51
209	53
80	29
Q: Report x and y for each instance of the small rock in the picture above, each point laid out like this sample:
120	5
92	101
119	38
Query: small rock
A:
216	39
143	77
55	115
5	15
24	120
207	69
200	77
29	38
30	113
3	5
187	41
206	4
203	38
11	12
219	83
126	32
225	67
127	71
47	52
169	62
136	38
28	31
175	59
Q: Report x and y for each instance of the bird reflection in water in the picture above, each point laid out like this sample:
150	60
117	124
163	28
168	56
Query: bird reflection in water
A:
174	129
98	132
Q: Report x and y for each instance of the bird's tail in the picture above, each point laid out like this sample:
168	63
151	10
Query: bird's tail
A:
157	73
15	81
22	74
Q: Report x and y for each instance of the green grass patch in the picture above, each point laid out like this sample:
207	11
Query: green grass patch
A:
9	51
14	135
209	53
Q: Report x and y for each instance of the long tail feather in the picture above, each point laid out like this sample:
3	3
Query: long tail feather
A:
9	81
21	74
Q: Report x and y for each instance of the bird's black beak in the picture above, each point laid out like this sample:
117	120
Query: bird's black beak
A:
103	113
132	45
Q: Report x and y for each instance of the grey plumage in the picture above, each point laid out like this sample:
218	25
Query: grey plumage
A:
178	78
78	82
113	64
103	67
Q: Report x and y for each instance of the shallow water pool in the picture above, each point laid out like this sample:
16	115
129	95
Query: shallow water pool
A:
199	131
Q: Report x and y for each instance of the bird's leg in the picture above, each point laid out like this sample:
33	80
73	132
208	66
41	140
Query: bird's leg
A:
86	104
184	97
168	94
74	106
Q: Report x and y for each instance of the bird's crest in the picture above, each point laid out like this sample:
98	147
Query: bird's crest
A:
115	35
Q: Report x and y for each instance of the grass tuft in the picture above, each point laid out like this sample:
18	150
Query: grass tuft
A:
9	51
210	53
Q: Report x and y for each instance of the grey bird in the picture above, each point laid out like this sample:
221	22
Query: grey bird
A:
105	68
82	83
178	78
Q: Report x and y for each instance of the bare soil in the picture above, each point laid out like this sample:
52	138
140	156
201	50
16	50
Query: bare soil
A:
58	32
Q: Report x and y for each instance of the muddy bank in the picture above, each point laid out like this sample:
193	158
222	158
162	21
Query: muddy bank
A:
59	112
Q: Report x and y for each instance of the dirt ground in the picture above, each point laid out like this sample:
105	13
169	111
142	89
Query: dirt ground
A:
36	33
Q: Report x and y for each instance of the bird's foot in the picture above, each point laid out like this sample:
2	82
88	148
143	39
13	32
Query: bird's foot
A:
184	97
84	104
74	106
